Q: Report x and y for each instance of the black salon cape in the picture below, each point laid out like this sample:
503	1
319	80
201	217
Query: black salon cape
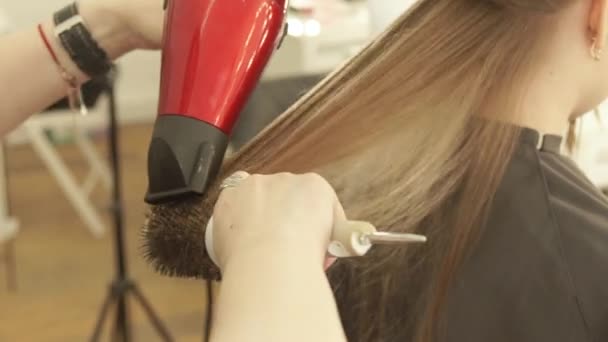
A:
540	271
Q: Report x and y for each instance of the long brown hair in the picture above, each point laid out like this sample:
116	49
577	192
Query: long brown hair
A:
402	133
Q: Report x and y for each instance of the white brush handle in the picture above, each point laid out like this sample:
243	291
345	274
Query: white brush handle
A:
349	239
346	239
209	241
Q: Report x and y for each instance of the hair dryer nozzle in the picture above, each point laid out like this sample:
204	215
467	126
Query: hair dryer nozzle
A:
175	168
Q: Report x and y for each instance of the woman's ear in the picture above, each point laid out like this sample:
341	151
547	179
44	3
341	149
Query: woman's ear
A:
597	27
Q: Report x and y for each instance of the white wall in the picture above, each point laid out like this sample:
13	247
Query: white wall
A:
384	12
137	90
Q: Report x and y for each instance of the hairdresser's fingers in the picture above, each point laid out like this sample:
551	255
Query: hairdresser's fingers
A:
281	208
240	195
339	215
226	199
240	174
234	180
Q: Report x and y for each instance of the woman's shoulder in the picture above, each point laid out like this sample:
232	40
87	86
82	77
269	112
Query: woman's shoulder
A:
558	223
540	268
580	211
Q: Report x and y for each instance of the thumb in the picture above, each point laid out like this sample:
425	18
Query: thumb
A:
339	216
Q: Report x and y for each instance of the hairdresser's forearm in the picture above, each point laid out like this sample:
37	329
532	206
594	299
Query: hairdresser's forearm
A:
273	293
29	78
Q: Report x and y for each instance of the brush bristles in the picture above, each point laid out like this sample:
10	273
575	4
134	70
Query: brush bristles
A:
174	240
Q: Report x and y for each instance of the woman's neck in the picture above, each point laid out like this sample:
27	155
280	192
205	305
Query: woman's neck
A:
547	103
547	116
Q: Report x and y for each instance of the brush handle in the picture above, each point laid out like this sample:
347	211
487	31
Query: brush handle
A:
346	239
209	242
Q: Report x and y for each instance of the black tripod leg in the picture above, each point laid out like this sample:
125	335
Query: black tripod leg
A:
158	325
102	317
209	316
11	266
117	334
121	328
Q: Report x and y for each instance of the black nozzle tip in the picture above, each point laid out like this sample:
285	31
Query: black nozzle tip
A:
184	157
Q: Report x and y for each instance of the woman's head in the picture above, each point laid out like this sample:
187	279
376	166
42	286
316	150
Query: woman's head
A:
573	31
410	134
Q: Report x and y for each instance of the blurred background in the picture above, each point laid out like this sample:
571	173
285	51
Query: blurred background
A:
56	247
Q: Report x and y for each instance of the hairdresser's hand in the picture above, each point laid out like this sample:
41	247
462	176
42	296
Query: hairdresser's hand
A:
271	234
121	26
283	213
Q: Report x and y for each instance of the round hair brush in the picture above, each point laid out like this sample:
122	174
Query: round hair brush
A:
174	239
179	239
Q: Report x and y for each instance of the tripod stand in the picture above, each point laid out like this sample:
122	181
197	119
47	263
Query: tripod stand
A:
122	285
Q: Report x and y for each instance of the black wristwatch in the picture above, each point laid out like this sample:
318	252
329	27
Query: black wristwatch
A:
79	43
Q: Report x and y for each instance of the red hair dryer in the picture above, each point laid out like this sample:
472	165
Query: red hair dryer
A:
214	54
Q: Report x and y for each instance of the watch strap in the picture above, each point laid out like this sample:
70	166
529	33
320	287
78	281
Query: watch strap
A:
76	39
